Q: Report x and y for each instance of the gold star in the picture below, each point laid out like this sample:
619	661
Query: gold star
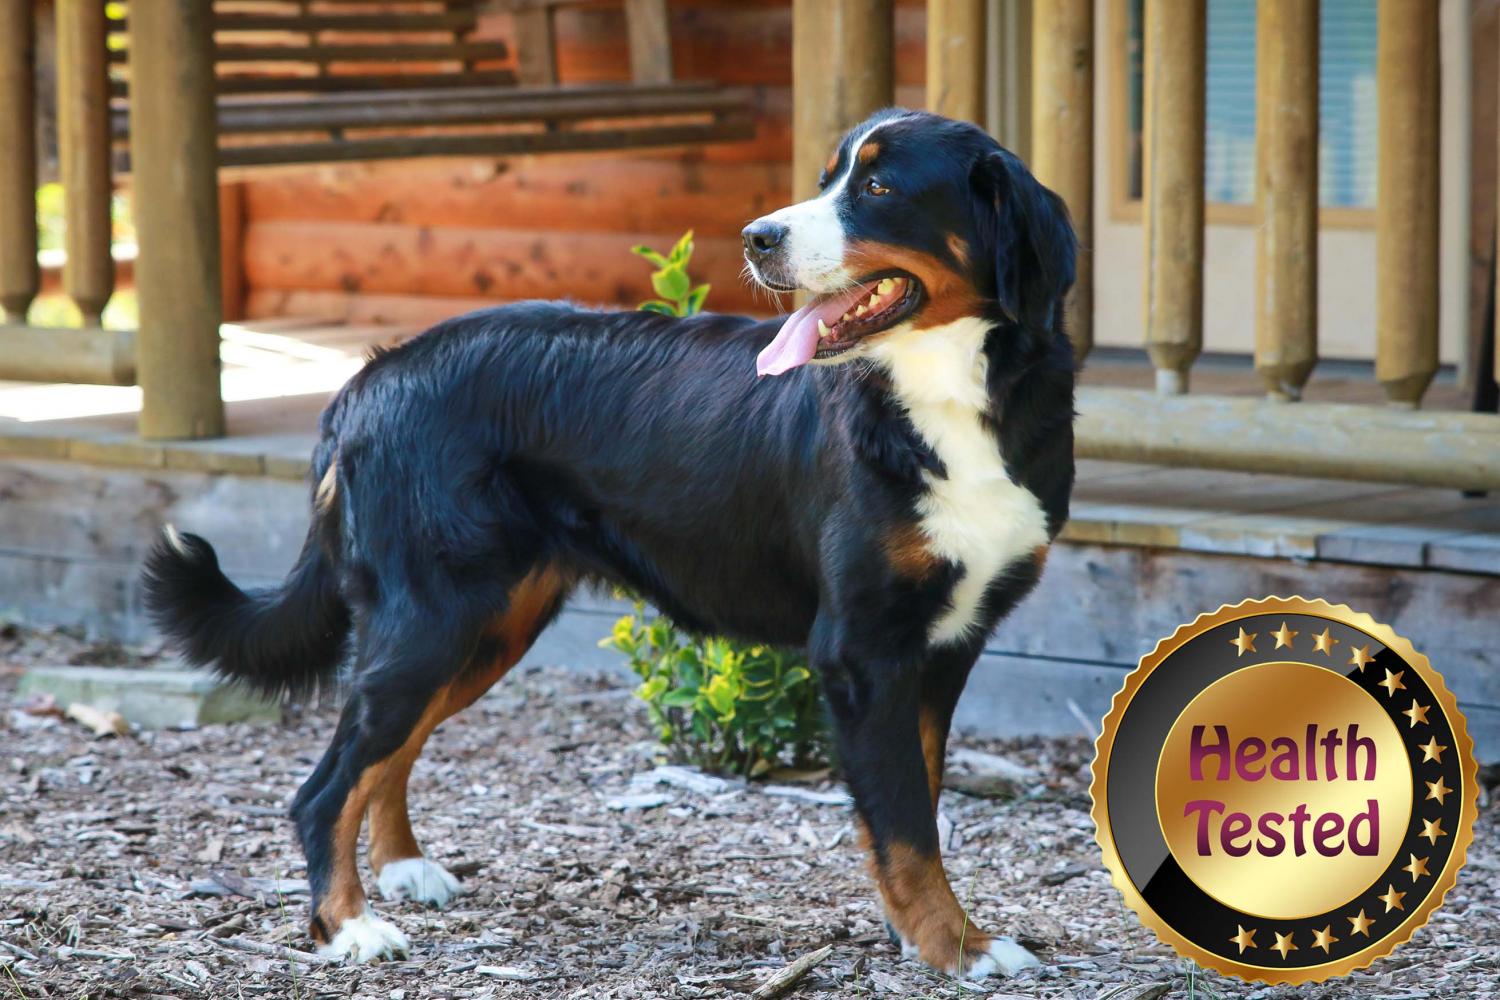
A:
1245	939
1417	868
1245	643
1324	643
1361	924
1392	899
1417	713
1285	636
1283	944
1359	657
1432	830
1433	750
1324	938
1438	790
1392	682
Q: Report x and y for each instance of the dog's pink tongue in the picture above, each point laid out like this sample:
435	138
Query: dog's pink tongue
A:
797	342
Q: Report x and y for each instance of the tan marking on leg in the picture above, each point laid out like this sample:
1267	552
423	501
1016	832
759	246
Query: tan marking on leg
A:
909	552
532	601
868	152
1039	556
921	906
934	749
345	898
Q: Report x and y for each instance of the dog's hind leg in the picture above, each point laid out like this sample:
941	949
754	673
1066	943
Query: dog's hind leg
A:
406	661
402	872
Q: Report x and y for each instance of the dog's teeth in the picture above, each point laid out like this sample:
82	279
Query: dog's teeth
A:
861	310
823	330
846	317
874	301
885	286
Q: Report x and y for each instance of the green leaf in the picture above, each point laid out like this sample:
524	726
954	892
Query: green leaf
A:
651	255
681	698
695	298
658	306
671	282
682	252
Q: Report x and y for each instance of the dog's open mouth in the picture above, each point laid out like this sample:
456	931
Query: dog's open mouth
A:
831	324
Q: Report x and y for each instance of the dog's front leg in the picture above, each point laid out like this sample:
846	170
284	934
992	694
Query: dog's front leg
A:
875	705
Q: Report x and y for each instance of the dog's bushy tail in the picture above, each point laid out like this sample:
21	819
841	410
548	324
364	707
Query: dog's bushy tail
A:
281	640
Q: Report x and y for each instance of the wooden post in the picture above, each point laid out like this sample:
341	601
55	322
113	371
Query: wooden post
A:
1406	203
1062	129
1175	43
173	147
842	70
536	45
83	150
20	278
955	58
1286	195
648	27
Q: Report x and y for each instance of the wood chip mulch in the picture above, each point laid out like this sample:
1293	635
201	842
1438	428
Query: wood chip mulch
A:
161	865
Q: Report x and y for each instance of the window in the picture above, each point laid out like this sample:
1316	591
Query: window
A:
1346	106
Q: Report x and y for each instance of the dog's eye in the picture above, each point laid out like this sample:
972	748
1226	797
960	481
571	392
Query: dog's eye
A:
874	187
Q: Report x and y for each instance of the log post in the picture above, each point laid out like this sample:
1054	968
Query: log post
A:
1062	130
20	278
1286	195
84	155
1175	44
536	45
955	58
173	147
842	70
1406	204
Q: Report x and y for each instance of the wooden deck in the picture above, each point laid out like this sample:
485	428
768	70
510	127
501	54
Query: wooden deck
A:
279	374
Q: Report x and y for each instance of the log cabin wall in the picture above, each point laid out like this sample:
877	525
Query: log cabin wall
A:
416	241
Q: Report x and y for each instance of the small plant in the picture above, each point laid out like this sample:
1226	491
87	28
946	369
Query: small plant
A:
722	705
716	703
679	296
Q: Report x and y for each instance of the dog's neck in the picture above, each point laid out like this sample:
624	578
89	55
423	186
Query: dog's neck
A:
939	368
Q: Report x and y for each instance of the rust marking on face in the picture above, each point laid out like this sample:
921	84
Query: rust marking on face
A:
959	248
951	295
921	906
868	152
908	550
832	164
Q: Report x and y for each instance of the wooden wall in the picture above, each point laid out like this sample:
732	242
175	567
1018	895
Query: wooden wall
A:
415	241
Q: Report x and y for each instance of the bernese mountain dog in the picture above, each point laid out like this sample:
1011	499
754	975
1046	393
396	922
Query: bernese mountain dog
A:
875	479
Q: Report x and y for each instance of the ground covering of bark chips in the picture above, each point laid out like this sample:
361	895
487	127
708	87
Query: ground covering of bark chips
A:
161	865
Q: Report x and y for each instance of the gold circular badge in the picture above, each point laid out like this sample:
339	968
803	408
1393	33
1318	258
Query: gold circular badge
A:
1284	790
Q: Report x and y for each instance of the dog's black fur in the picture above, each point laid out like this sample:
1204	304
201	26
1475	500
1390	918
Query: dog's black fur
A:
642	450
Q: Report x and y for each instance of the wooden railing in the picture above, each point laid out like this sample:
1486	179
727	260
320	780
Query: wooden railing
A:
1397	442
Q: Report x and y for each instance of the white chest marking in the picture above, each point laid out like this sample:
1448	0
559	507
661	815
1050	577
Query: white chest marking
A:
977	517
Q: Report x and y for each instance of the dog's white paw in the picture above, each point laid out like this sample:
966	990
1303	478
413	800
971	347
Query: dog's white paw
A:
1003	958
366	938
418	880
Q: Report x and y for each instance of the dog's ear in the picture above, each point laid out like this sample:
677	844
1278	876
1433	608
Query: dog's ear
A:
1024	228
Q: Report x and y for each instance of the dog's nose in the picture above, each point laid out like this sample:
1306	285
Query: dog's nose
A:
761	237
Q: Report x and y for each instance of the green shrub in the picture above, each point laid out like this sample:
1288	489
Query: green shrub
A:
723	705
716	703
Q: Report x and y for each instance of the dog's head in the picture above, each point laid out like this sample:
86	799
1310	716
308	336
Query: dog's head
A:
921	221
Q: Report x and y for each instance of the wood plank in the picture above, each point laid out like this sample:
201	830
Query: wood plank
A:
476	262
395	51
560	192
